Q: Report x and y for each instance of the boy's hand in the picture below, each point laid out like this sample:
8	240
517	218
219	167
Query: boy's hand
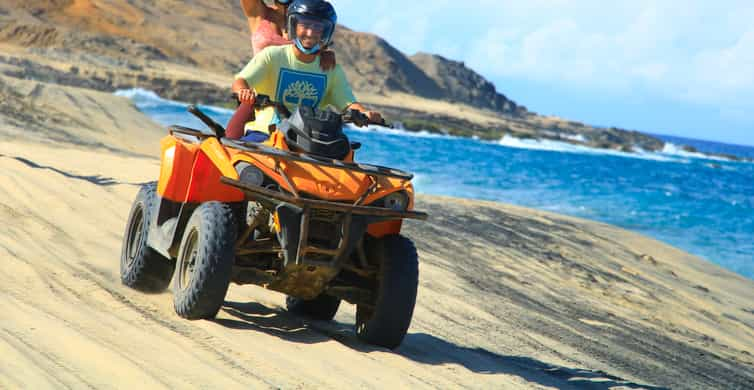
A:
247	95
375	117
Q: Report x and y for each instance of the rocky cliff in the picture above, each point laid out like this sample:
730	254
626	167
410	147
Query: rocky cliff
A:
459	83
188	50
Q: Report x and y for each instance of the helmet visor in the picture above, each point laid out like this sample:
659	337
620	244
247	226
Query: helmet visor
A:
303	26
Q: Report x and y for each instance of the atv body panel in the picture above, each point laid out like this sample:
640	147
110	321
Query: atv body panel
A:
302	228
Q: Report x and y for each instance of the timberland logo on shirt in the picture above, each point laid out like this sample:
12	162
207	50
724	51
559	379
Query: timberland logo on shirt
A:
300	93
300	88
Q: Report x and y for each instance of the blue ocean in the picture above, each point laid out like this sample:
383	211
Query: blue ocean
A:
702	205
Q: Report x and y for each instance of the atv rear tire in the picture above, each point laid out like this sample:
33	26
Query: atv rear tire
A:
386	322
322	307
205	261
141	267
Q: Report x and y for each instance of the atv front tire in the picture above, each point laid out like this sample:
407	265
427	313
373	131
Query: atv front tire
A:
322	307
141	267
386	322
205	261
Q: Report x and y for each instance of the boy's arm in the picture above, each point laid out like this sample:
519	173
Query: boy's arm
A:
252	8
253	73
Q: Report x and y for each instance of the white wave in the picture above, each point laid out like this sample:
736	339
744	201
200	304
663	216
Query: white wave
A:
401	132
148	99
540	144
675	150
577	137
565	147
139	93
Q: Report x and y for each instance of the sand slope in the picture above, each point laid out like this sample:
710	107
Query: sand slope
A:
509	297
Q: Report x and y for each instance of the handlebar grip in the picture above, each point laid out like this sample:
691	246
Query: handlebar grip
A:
260	101
356	117
263	101
360	119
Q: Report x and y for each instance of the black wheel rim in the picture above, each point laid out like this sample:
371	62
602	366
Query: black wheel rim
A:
188	260
135	234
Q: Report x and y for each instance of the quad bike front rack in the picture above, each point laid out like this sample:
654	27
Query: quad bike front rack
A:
368	169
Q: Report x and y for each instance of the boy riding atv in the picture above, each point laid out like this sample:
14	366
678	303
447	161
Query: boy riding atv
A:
291	74
294	214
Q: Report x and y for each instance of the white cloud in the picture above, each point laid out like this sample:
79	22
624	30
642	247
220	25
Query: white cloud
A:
660	46
653	71
730	67
413	35
693	50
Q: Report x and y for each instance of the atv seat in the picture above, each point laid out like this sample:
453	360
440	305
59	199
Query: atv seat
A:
255	136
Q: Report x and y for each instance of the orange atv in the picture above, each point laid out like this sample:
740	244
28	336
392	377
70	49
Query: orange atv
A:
294	214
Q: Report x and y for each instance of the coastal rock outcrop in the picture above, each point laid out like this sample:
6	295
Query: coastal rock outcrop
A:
459	83
173	51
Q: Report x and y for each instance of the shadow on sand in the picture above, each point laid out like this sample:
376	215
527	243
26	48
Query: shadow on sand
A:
94	179
419	347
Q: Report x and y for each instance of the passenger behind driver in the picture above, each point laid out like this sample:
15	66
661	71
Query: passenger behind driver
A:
267	25
291	74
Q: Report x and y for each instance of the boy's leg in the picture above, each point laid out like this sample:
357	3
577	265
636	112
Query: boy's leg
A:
244	113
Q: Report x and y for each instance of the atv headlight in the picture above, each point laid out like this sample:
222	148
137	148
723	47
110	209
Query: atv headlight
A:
397	201
249	174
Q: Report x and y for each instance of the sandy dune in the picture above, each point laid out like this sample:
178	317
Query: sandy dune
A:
509	297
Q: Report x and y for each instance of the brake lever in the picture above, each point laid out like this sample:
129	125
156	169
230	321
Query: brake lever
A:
356	117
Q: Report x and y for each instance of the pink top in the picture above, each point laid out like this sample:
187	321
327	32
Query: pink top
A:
266	35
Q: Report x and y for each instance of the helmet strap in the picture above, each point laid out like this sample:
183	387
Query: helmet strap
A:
313	50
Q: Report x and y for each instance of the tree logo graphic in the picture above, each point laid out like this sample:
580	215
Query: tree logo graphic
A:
301	93
297	88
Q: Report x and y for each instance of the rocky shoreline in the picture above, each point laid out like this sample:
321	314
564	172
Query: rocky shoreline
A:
176	56
129	75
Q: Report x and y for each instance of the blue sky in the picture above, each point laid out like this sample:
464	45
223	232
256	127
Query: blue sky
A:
673	67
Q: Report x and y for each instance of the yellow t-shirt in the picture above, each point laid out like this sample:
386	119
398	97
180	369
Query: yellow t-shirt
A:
277	73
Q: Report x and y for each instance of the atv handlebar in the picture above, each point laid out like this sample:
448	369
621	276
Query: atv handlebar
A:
356	117
360	119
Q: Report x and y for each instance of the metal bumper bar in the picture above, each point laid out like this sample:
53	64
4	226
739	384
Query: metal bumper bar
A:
257	191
